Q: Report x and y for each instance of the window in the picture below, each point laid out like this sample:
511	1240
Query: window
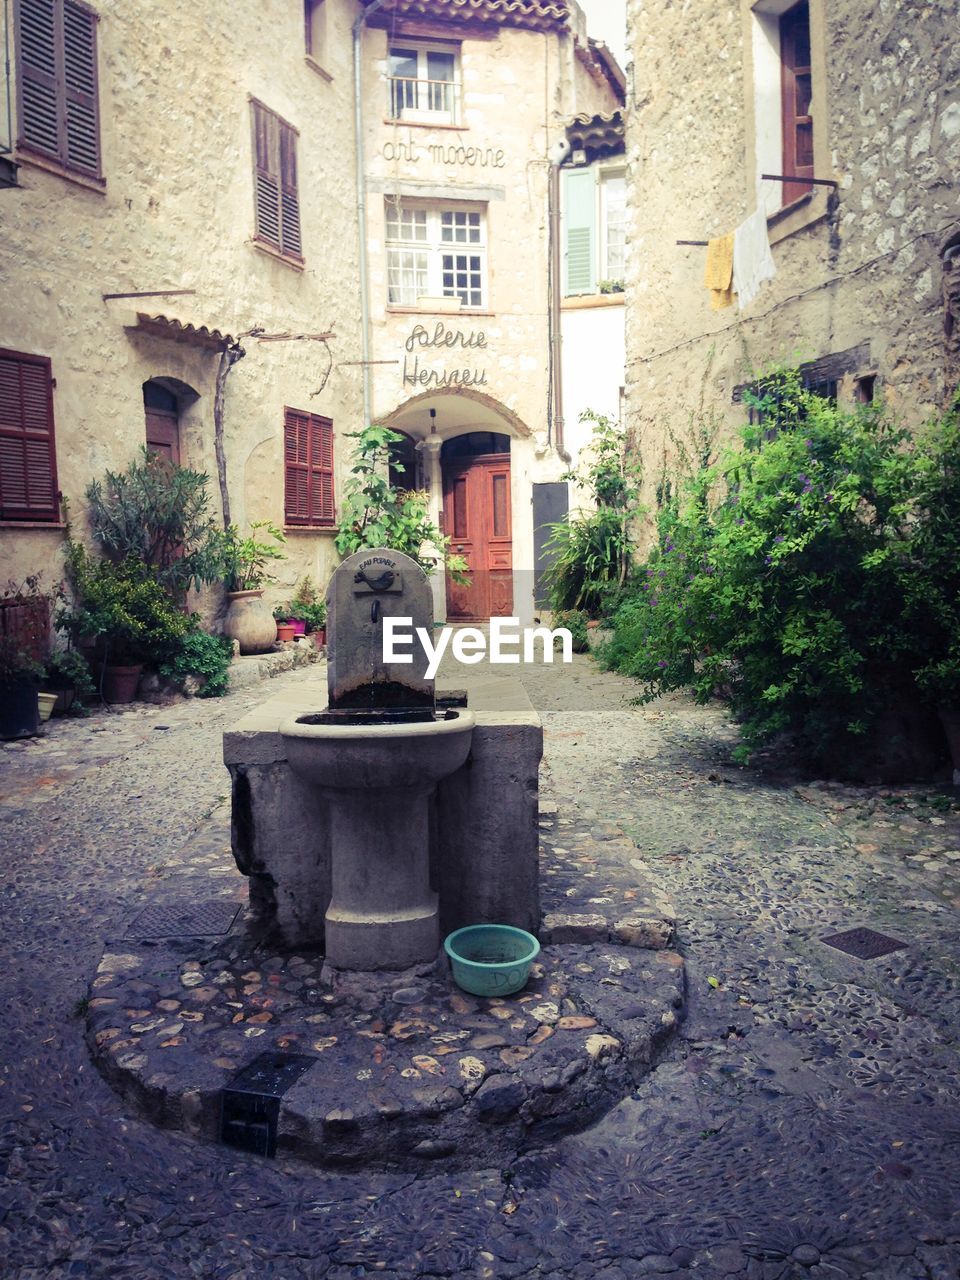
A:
315	29
275	178
435	252
797	91
424	84
57	83
595	225
308	469
162	414
28	461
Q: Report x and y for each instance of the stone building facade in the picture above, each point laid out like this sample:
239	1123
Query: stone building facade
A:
190	190
864	98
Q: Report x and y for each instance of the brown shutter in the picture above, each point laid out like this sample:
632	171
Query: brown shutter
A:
797	88
28	468
275	175
80	85
308	469
38	89
290	201
58	82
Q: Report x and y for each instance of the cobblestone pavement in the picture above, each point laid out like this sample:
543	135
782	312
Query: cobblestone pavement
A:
805	1121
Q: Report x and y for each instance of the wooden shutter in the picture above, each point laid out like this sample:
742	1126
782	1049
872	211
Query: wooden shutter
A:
580	231
28	468
797	88
275	177
308	469
59	115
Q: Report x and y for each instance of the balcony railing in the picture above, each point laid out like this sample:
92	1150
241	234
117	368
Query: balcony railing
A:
413	99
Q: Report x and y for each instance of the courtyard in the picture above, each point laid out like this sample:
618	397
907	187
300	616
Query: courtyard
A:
803	1119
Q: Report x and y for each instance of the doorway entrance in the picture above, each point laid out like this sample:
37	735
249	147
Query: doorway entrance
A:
476	519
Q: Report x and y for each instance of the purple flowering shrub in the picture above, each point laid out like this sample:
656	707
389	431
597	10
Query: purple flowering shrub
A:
790	575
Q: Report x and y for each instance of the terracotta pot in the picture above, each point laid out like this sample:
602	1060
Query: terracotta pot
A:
950	719
120	683
250	622
320	637
285	632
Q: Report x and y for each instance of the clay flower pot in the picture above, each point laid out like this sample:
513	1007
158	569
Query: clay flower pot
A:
285	632
250	622
120	683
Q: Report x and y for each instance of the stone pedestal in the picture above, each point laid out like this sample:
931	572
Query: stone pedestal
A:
483	836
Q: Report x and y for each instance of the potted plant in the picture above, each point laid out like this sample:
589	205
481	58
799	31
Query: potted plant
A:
123	615
307	610
245	563
19	680
67	676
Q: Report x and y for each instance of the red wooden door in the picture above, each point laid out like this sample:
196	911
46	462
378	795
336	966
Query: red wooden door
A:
163	434
476	509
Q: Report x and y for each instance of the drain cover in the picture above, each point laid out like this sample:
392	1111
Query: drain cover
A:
865	944
193	920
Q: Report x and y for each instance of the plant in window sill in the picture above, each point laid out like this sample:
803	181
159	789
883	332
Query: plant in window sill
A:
610	286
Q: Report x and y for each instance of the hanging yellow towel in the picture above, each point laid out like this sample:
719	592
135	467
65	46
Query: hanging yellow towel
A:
718	274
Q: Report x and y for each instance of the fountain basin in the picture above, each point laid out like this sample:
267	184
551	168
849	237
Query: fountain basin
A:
361	753
377	773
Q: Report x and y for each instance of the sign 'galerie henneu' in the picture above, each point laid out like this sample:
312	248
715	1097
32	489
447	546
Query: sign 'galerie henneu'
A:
421	338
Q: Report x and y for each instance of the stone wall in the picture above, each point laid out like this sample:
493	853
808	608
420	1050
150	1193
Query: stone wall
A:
177	212
858	268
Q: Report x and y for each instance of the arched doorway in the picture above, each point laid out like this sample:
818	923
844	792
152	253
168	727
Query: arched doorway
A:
475	467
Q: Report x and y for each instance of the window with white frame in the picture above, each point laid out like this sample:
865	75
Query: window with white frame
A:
594	201
424	84
435	251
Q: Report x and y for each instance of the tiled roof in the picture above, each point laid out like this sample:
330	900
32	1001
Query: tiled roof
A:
600	133
506	13
177	331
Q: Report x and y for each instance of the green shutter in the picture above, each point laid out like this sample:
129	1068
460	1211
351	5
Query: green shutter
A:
580	231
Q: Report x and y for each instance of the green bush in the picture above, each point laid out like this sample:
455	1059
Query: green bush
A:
121	606
202	655
156	512
575	620
243	560
590	551
811	575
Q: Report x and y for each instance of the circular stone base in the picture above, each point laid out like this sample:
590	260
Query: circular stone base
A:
409	1070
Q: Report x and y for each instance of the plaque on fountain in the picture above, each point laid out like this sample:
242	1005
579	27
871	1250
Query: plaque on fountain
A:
367	588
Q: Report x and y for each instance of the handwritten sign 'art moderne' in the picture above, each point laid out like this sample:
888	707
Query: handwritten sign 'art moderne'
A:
445	153
440	337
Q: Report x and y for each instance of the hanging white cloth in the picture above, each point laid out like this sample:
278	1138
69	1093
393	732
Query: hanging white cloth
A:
752	260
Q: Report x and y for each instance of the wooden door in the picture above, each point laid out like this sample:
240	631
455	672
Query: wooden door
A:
163	434
476	510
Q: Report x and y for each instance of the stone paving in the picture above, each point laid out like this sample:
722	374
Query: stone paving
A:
805	1120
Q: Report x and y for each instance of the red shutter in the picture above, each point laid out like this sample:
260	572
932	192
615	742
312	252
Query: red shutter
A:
28	467
58	82
308	469
797	88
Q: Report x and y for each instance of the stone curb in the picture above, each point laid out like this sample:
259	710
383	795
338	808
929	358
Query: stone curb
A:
409	1070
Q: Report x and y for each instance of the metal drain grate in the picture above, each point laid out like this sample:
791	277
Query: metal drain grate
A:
195	920
865	944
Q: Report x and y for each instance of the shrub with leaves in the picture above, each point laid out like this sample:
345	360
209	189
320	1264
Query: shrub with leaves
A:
204	656
590	550
374	514
157	513
797	574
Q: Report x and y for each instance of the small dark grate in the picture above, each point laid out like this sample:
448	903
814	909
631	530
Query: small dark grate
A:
865	944
196	920
250	1104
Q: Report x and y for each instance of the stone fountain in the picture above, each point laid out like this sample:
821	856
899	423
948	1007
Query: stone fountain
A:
386	815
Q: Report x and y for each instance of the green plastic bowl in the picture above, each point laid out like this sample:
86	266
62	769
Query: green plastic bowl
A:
491	959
